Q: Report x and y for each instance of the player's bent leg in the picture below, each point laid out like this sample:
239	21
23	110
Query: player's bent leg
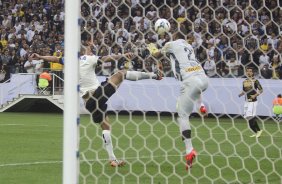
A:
137	75
117	78
201	106
185	130
107	141
258	130
190	93
202	86
198	84
250	116
189	158
98	107
253	126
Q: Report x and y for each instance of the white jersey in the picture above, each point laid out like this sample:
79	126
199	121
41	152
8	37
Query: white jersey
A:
183	60
88	80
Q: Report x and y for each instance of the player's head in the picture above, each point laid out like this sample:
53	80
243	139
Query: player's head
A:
178	35
249	72
279	96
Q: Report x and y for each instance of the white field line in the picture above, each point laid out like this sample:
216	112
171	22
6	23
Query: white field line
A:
12	125
198	132
128	158
23	125
264	134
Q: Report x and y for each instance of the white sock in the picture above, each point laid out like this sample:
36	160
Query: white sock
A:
188	145
199	103
184	125
136	75
106	135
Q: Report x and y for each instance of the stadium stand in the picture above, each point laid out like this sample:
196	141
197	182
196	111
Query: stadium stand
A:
227	35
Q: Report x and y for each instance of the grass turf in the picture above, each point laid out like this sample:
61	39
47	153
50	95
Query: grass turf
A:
31	151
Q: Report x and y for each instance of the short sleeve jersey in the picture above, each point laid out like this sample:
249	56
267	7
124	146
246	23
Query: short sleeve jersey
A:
183	60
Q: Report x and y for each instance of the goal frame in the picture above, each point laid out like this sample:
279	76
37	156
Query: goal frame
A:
71	93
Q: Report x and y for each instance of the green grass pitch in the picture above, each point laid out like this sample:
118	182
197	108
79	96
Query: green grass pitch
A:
31	151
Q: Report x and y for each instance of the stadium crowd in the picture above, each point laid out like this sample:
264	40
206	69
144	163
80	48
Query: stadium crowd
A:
227	35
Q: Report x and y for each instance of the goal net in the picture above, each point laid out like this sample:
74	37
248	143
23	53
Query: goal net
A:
227	36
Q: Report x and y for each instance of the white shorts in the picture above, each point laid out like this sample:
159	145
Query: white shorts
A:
191	89
250	109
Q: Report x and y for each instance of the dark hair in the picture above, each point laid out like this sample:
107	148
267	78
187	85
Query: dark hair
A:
279	96
179	35
250	67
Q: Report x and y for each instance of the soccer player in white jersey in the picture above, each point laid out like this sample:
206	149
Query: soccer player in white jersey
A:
96	95
193	82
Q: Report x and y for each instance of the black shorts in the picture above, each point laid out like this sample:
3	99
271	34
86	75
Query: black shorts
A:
96	104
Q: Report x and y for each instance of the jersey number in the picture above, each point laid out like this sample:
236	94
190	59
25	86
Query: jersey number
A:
186	49
189	53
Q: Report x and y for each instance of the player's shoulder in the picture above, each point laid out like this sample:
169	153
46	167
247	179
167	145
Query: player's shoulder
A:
184	43
89	58
246	80
177	42
257	81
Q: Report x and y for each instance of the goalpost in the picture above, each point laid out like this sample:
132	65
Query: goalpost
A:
71	93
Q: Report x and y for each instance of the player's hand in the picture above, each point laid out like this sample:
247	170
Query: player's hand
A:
152	48
241	94
34	56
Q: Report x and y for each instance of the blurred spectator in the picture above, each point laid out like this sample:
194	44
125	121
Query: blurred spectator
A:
30	34
276	67
33	66
232	66
20	66
13	61
209	65
264	44
57	69
7	23
5	57
238	30
210	68
273	40
2	73
264	64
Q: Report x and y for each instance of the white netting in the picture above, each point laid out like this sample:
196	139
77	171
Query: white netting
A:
227	37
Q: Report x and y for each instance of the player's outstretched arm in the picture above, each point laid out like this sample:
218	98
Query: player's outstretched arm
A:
154	51
45	58
113	57
241	94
